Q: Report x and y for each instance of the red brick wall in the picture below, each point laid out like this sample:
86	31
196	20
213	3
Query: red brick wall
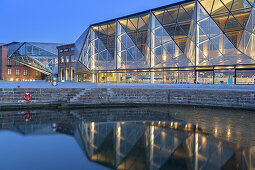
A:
31	73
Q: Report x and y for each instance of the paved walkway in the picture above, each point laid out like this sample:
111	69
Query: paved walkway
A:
43	84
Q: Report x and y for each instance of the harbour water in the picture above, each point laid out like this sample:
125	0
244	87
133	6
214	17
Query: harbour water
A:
170	137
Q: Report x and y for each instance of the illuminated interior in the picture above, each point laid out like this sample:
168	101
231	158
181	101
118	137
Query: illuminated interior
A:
202	42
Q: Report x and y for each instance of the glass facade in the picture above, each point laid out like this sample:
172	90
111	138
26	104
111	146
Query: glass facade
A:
39	56
201	41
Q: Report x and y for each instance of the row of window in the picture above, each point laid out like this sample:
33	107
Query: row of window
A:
18	72
67	59
66	49
9	63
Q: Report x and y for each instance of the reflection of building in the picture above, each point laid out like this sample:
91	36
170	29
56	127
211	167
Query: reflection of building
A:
137	145
66	60
141	146
204	41
27	61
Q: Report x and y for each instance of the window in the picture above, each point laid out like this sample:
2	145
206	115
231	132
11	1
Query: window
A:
61	51
36	73
67	59
9	71
72	48
67	74
17	64
61	74
9	62
72	58
17	72
25	72
66	49
62	59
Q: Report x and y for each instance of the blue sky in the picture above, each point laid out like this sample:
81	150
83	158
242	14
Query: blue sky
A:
62	21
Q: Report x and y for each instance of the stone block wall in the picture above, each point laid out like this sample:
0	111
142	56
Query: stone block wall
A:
122	96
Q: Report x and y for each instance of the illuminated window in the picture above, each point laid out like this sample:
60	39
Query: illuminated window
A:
72	58
17	72
62	59
9	62
9	71
67	59
25	72
67	74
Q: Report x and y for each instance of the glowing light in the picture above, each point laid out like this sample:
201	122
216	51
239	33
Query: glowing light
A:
175	125
152	133
159	123
164	57
228	133
171	124
215	132
196	127
203	140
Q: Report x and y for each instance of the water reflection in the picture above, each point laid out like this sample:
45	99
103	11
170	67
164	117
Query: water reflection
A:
141	138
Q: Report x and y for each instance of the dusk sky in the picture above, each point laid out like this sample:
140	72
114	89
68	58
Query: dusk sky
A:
62	21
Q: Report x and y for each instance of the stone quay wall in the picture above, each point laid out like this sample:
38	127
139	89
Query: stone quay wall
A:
97	97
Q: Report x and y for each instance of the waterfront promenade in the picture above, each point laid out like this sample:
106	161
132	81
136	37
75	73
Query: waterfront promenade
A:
71	94
43	84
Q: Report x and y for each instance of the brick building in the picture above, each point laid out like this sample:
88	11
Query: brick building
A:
22	61
12	70
66	62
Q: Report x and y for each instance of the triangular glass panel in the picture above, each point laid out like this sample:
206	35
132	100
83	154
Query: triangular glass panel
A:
247	42
138	35
207	4
227	3
160	15
183	15
146	18
130	27
219	8
205	26
215	45
179	33
123	22
170	29
189	7
239	5
164	49
128	56
141	24
201	13
134	21
173	11
111	28
241	20
232	24
221	20
96	54
168	19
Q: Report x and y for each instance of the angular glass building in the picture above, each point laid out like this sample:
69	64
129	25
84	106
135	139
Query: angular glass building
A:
39	56
202	41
